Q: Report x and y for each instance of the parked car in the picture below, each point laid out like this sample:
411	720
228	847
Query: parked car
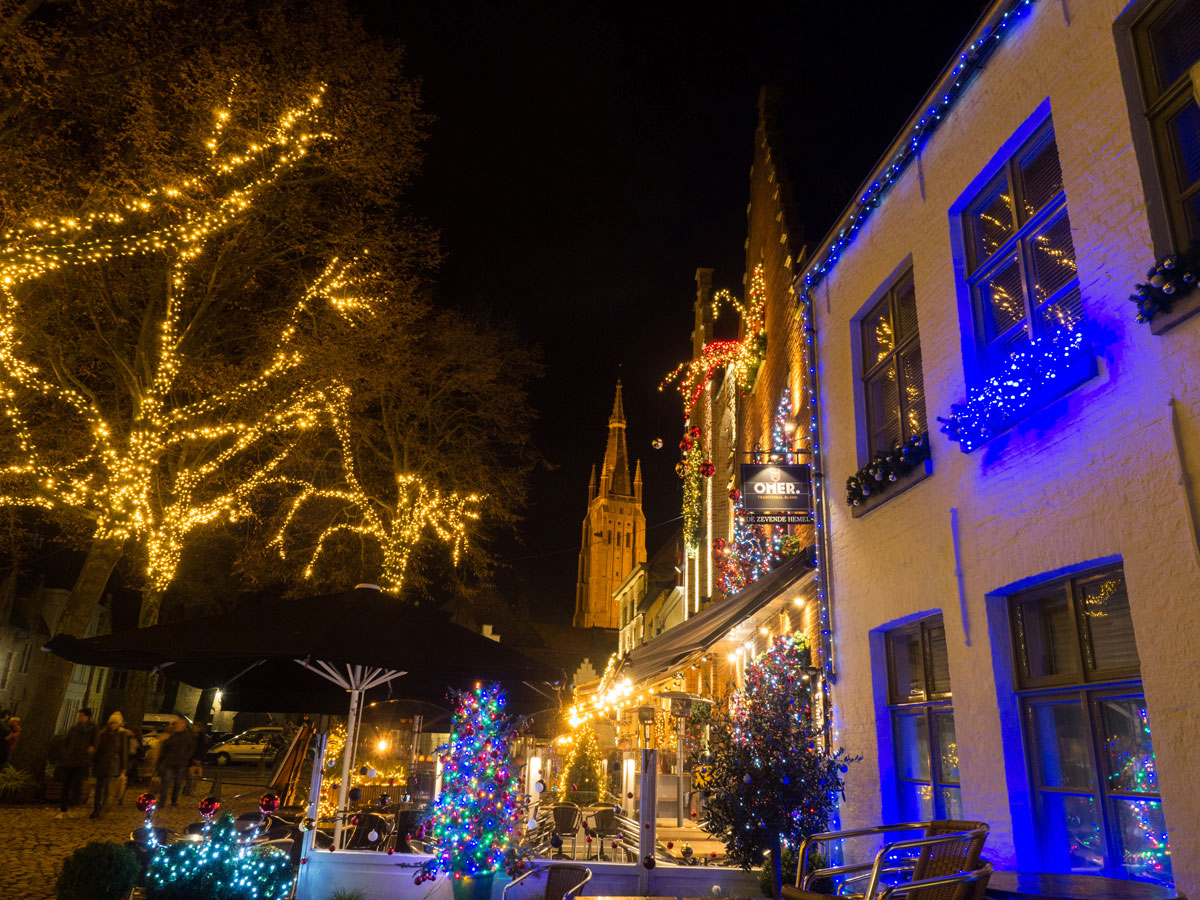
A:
249	746
154	724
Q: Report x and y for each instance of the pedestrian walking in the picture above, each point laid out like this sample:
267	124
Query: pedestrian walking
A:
136	752
14	724
81	744
196	770
5	731
174	756
111	759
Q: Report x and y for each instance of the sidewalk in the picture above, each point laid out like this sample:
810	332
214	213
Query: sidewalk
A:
34	843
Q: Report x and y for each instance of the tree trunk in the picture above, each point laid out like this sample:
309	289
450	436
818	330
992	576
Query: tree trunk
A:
137	688
50	687
777	867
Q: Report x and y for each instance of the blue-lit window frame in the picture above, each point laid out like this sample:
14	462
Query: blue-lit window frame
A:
926	702
1088	688
992	350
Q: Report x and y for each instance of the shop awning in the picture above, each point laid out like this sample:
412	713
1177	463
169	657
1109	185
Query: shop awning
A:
665	652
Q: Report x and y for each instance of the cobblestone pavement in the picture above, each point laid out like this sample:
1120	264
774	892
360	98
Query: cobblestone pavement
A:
33	843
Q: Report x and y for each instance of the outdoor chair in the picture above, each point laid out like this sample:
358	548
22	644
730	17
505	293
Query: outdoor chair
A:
368	823
942	863
562	881
568	819
405	823
604	828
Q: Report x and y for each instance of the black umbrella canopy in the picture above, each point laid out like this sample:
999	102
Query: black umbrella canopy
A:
254	648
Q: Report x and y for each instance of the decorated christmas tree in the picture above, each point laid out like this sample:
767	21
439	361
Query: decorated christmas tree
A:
474	817
224	866
583	776
771	783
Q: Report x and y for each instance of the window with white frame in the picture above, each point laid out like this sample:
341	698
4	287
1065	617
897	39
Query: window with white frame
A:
892	381
1087	730
1020	258
1167	43
925	747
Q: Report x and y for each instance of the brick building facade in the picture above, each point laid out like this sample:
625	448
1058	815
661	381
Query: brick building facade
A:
1016	638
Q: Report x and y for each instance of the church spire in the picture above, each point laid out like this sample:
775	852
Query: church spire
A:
615	473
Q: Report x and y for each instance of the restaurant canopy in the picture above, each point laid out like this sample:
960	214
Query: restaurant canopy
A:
673	647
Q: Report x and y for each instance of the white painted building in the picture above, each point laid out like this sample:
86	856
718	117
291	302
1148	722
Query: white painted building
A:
1016	629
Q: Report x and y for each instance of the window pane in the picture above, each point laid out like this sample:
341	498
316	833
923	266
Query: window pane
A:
1049	635
1002	299
1109	627
879	337
912	387
1063	315
1142	837
1053	259
912	746
939	665
1128	750
1041	177
883	403
993	223
906	309
907	671
1059	735
947	747
1184	129
951	802
916	802
1071	838
1175	42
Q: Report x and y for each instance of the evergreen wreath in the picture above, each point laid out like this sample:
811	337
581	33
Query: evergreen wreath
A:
1169	279
886	468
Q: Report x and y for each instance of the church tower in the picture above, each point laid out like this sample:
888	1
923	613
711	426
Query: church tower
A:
614	529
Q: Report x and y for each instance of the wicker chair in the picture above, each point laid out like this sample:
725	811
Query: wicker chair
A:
562	881
946	865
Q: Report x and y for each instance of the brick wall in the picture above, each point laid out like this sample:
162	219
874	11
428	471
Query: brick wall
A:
1092	476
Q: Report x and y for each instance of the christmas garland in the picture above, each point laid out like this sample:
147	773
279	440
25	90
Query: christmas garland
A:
1031	376
1169	279
886	468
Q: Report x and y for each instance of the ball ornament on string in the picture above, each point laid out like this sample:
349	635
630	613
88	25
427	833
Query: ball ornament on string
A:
657	443
209	807
147	803
355	794
648	861
268	804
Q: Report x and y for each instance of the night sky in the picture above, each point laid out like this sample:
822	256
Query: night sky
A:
587	157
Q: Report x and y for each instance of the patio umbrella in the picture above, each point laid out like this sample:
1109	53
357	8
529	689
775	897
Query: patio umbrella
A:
306	652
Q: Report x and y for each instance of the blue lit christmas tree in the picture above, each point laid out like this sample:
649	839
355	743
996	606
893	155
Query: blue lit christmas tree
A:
224	866
478	808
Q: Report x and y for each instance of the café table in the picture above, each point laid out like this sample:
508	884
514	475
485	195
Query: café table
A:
1059	886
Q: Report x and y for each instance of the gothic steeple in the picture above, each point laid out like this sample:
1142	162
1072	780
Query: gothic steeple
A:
615	473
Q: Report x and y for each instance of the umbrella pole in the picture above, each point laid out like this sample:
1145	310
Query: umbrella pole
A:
347	751
308	839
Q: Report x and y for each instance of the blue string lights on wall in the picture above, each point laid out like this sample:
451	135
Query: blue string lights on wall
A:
1032	376
970	61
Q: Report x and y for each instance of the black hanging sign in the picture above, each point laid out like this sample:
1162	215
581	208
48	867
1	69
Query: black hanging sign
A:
775	494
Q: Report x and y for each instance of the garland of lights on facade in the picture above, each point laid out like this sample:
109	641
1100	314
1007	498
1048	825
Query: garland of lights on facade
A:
740	358
118	480
753	550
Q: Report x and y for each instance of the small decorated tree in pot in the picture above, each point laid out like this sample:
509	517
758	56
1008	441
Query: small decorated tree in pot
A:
771	783
474	817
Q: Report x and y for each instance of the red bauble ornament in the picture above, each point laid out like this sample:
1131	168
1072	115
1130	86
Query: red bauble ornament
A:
147	803
694	431
670	845
391	850
209	807
630	795
685	445
268	803
708	470
735	495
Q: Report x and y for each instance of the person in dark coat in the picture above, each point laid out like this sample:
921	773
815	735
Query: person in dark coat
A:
174	757
81	744
111	759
